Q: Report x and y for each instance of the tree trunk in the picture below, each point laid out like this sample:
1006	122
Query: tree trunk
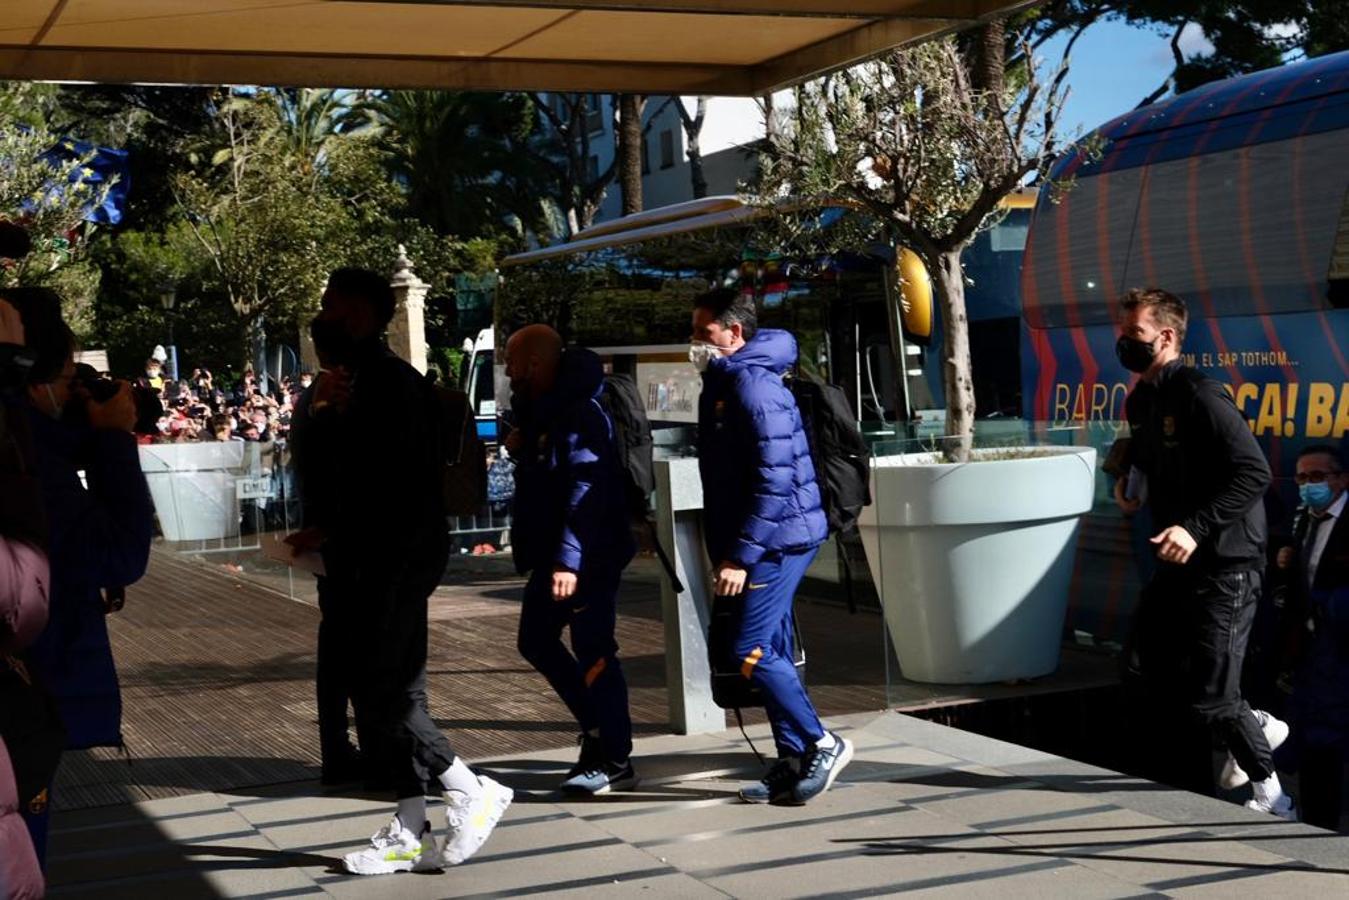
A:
770	117
988	68
948	280
255	349
630	152
693	130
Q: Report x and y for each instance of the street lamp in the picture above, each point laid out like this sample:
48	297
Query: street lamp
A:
168	296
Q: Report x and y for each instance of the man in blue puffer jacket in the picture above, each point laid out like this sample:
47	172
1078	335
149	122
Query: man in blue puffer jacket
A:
764	523
570	532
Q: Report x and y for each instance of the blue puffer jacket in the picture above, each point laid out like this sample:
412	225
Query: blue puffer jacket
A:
759	490
570	505
100	537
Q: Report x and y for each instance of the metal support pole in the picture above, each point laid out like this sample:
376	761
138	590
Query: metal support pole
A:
679	503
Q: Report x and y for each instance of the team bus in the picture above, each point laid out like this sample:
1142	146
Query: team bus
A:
1234	197
625	289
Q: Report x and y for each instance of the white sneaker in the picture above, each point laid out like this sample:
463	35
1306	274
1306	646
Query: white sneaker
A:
1281	806
1276	732
394	849
471	819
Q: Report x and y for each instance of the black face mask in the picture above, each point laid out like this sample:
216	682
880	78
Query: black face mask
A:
521	402
1136	355
333	344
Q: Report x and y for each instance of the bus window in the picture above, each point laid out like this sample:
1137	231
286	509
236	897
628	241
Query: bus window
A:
1338	277
993	268
1253	219
1076	264
631	301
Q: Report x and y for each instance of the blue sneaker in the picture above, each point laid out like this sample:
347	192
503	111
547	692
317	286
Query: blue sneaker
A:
820	767
602	779
592	758
775	786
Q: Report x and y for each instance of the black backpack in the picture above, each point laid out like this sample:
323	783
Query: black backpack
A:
842	460
464	458
841	457
632	434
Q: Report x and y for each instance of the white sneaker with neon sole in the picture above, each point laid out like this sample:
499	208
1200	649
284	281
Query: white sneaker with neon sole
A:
1276	732
471	820
394	849
1281	806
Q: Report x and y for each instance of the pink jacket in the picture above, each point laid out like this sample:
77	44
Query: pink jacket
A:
20	877
23	613
24	581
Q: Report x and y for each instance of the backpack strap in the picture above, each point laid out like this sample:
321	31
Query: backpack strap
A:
740	720
665	560
847	573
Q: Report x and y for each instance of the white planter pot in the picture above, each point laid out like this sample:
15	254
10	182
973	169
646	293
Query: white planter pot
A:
193	488
973	562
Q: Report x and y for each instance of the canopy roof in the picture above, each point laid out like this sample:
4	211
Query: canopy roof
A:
723	47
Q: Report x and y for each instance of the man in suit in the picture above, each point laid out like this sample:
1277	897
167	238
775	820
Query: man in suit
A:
1317	566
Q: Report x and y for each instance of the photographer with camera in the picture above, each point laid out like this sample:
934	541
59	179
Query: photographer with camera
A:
99	535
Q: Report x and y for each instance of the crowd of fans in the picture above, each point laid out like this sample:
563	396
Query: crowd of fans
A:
197	409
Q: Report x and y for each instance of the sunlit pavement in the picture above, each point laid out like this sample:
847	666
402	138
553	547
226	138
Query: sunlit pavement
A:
219	797
923	808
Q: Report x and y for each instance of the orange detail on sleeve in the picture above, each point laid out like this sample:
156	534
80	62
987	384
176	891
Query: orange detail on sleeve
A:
595	671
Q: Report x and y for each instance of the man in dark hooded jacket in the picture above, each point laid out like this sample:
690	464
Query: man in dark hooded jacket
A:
764	523
377	519
570	532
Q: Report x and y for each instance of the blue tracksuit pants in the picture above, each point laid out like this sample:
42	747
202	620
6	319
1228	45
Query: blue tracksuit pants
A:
588	678
766	647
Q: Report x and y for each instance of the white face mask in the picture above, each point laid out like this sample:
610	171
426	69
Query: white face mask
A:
57	409
702	353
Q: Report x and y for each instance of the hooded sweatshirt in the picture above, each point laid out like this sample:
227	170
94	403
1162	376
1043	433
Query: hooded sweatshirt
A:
570	496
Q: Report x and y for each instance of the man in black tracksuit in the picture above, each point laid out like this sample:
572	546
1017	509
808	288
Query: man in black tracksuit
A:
1206	477
373	459
318	484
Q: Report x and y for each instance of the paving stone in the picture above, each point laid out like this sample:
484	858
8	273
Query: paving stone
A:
1182	856
149	834
248	857
543	870
333	836
1288	884
1015	806
860	869
673	884
276	810
1028	881
1086	829
769	824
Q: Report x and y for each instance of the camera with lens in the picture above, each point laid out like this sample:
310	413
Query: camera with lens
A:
149	408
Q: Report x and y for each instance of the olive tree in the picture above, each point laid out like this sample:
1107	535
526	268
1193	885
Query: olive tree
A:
925	142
